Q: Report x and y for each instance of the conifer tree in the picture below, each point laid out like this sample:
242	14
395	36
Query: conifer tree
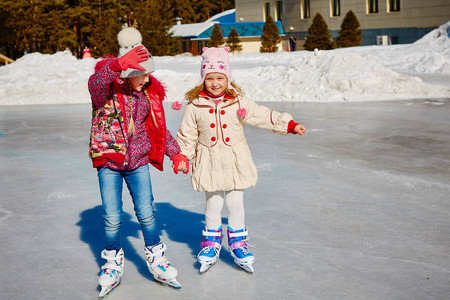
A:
205	9
233	41
155	20
103	39
350	34
184	9
216	38
270	37
318	35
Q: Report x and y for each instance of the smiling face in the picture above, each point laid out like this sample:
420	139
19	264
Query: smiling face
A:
138	82
216	83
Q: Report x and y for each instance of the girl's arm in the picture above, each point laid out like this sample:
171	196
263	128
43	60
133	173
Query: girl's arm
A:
99	84
179	161
172	147
187	134
266	118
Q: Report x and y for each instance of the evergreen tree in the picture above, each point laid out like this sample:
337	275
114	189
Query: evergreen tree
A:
7	41
216	39
155	20
270	37
199	10
318	35
48	26
233	41
205	9
103	39
184	9
350	34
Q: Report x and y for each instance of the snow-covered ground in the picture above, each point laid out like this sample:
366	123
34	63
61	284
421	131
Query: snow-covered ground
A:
372	73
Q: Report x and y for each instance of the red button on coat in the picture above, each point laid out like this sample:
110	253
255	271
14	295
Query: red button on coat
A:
213	139
213	125
211	111
222	112
227	139
224	126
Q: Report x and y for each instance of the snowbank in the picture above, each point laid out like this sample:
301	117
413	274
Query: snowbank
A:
369	73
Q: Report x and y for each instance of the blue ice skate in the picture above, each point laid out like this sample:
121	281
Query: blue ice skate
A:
211	246
237	243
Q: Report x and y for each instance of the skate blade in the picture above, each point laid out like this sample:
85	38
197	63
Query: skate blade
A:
106	290
205	267
247	268
172	283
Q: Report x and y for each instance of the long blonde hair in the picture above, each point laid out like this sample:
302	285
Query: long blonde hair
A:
193	94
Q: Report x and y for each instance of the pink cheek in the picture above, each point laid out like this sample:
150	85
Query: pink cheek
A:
204	66
221	67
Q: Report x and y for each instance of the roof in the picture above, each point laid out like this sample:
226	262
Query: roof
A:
4	59
195	29
227	21
244	29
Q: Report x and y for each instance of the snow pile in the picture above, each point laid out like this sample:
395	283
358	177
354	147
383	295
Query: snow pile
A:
368	73
438	43
45	79
332	76
430	54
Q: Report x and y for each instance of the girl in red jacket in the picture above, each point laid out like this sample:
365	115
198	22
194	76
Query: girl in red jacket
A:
128	132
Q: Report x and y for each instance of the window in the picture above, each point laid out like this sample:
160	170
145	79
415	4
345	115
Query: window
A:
335	8
372	6
394	5
305	13
279	10
266	10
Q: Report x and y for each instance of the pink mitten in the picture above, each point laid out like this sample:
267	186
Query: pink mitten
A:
176	161
133	58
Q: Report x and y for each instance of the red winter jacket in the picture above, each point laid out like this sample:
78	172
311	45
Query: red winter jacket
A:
109	143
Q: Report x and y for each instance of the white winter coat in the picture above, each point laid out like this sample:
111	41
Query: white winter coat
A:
213	137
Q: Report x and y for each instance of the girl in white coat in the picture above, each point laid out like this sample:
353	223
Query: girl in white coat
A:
211	134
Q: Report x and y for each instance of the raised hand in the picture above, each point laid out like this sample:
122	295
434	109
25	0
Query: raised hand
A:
133	58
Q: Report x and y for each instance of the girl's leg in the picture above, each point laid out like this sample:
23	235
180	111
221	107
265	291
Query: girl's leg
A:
237	233
235	204
213	211
111	185
140	187
212	243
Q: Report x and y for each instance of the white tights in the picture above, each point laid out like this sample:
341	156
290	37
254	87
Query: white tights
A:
235	204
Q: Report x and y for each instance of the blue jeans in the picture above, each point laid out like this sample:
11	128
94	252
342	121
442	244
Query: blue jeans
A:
140	187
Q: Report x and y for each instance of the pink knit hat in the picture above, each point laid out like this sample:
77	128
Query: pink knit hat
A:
214	60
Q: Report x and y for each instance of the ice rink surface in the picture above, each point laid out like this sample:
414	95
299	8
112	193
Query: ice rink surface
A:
358	208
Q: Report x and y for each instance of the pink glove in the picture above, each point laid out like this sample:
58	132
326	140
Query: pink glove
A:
176	161
133	58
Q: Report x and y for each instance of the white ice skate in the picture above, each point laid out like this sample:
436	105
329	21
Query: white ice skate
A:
160	267
237	242
112	271
211	246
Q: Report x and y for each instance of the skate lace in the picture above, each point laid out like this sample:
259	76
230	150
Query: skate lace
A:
245	250
161	261
207	249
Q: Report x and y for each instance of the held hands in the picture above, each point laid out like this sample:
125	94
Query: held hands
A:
300	129
133	58
180	163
